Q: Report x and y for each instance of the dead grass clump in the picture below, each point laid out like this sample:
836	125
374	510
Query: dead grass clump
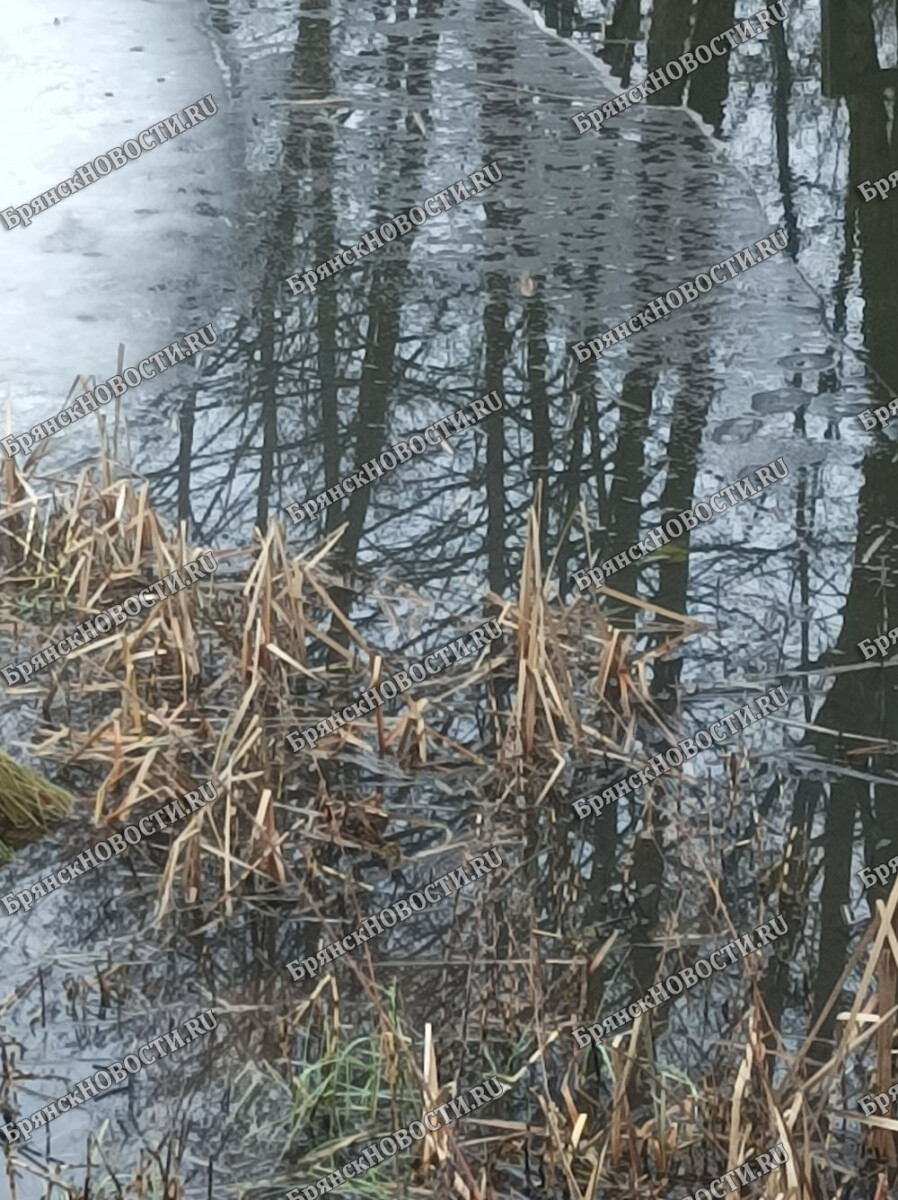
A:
28	805
208	682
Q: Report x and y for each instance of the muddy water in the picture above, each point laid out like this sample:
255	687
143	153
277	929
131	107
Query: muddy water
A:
339	116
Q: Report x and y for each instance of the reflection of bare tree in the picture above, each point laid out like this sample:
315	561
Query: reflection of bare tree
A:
709	86
219	13
668	36
390	281
859	702
186	427
381	337
877	226
782	74
496	343
848	46
540	417
260	356
309	131
629	477
570	476
686	429
368	343
624	29
314	43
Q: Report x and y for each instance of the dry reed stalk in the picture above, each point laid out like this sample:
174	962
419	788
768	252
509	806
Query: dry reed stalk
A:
798	1109
883	1140
548	698
247	637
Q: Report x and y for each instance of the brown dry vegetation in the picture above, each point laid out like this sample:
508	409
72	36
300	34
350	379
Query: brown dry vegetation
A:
206	685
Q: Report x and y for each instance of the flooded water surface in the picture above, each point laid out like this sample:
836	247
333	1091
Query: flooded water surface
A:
335	116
